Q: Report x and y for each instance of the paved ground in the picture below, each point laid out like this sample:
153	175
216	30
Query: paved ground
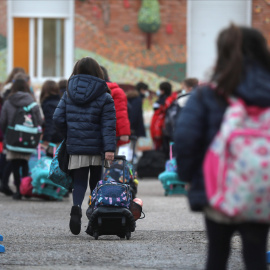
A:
36	236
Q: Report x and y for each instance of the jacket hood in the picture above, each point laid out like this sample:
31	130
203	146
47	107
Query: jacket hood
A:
133	94
85	88
21	99
255	87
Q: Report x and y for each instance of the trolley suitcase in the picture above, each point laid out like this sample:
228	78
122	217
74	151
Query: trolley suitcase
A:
110	219
169	178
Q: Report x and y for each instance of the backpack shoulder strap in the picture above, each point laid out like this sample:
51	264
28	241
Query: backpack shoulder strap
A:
30	107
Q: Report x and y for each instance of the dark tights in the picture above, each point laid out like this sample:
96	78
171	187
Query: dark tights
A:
19	166
5	170
80	181
254	241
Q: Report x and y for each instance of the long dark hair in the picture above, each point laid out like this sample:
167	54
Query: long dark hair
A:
49	88
11	75
87	66
236	45
19	85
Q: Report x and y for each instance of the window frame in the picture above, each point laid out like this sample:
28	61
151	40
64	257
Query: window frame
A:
68	36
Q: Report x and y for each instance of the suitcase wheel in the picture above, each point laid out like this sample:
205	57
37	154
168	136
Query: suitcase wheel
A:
128	234
122	236
99	221
96	235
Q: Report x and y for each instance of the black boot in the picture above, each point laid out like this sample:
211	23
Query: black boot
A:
6	190
75	219
17	196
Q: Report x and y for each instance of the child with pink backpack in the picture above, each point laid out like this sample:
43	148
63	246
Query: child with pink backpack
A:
222	141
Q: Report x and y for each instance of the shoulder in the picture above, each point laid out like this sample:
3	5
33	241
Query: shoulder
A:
108	98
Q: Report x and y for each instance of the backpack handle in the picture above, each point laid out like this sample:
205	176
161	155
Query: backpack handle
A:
171	154
117	157
39	149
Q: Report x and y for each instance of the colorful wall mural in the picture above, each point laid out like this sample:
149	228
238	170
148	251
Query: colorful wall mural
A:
116	33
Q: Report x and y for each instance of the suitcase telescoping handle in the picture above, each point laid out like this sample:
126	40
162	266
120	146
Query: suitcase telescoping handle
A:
171	150
117	157
39	148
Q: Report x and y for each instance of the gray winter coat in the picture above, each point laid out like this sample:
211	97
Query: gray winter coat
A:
19	99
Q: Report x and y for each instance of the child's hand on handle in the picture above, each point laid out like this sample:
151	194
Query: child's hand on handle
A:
109	156
124	138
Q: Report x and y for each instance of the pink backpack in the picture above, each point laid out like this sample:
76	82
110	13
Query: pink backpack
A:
237	164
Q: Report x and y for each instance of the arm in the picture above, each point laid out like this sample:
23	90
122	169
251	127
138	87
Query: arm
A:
48	122
122	121
59	116
4	117
189	137
37	113
136	113
108	125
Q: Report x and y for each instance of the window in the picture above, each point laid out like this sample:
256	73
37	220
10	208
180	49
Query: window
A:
41	37
49	51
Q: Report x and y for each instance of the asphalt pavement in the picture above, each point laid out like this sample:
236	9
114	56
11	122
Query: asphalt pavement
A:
36	236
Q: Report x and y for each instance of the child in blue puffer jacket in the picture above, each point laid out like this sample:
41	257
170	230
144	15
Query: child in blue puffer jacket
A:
86	117
242	70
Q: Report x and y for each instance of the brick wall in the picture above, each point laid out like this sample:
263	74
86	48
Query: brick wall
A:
261	17
3	17
99	28
172	11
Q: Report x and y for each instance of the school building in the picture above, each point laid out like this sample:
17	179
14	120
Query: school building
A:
136	40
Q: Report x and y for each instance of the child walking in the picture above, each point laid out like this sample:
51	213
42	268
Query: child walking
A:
242	70
86	117
20	96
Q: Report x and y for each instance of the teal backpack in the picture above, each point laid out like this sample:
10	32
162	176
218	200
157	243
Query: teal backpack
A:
42	185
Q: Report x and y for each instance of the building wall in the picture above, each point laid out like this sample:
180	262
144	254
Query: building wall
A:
3	17
3	39
108	31
261	17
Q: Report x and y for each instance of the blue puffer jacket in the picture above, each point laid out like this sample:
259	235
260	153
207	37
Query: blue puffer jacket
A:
199	122
86	116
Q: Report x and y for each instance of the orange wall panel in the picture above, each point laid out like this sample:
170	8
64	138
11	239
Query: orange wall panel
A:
21	43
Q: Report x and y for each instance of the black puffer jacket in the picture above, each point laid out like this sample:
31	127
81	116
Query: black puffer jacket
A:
86	116
51	133
199	122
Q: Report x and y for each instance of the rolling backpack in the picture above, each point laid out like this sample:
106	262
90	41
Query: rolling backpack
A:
111	193
117	170
237	164
24	133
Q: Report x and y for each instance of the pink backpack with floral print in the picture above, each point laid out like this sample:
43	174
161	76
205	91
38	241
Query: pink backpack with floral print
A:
237	164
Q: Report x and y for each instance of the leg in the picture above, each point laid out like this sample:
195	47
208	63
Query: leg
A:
79	188
80	177
16	164
219	238
95	176
254	238
25	168
7	165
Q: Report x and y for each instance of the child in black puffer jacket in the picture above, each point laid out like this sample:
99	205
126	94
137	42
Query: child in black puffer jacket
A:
86	118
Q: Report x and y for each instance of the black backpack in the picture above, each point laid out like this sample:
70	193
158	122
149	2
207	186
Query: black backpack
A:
170	119
151	163
23	134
